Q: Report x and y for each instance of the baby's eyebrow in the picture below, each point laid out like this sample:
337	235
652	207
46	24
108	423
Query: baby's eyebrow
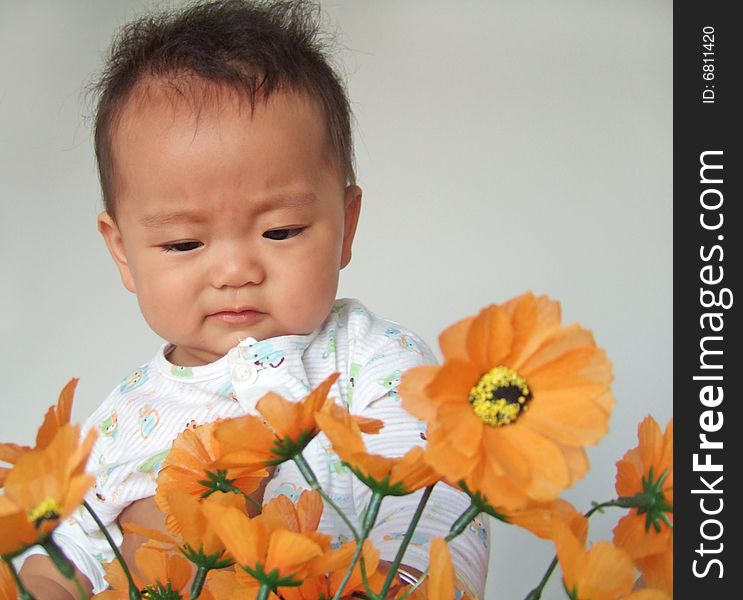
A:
172	218
264	205
285	201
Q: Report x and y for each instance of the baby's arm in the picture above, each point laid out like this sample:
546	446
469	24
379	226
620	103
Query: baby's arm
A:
42	579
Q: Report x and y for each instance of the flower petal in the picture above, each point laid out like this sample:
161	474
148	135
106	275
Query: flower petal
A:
441	585
57	415
569	338
657	570
608	573
548	472
290	552
631	535
489	338
534	320
453	340
412	390
567	417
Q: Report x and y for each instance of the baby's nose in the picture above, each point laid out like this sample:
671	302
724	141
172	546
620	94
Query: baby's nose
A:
237	266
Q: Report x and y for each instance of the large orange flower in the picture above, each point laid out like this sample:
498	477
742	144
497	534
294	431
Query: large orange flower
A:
515	402
290	427
7	583
43	488
276	557
646	473
604	572
55	417
164	574
388	476
194	465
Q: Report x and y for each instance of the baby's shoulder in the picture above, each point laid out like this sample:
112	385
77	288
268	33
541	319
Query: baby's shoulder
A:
140	383
367	335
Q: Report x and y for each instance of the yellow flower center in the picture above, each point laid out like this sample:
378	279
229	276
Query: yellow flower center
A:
500	396
48	510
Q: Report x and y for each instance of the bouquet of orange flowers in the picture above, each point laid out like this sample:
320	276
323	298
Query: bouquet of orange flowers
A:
508	415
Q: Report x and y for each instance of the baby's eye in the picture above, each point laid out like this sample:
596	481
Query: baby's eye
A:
182	246
283	234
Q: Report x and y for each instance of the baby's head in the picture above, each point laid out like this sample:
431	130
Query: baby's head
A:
224	149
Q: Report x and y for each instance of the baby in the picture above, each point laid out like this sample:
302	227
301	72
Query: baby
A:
224	149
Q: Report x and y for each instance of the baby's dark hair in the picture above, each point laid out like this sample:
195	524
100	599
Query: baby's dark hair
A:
252	47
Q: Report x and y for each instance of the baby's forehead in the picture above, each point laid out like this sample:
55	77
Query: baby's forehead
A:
158	105
179	139
190	96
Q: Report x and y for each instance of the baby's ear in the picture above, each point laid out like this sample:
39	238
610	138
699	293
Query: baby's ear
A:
352	209
112	236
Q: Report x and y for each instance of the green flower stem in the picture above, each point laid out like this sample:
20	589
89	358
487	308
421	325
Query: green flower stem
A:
365	580
58	557
263	592
309	475
23	594
198	582
462	521
367	522
405	541
248	497
133	591
216	481
536	593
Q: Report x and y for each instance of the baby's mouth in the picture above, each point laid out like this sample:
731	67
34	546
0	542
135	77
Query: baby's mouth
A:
240	316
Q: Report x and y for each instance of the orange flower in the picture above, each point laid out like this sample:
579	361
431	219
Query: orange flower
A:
55	417
645	473
194	534
161	569
515	402
302	517
277	558
539	517
193	465
387	476
291	426
7	583
43	488
604	572
326	573
294	422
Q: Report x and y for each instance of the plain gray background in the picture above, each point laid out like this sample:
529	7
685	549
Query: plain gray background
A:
502	146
